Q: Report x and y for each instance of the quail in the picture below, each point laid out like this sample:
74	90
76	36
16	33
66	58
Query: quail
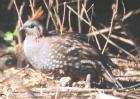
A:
66	51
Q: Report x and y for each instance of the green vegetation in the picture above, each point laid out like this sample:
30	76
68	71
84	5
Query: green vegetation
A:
11	38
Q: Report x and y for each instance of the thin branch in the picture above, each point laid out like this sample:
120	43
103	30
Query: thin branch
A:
105	30
64	12
131	13
32	7
124	10
50	13
112	43
88	18
115	10
92	27
79	21
69	18
18	12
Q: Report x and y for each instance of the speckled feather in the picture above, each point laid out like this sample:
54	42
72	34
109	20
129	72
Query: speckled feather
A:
59	51
68	52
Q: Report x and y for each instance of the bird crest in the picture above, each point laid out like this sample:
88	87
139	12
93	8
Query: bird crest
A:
39	14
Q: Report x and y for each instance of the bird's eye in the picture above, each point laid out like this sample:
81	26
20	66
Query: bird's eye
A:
32	26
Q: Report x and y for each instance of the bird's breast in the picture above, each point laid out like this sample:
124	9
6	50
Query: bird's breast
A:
45	53
57	52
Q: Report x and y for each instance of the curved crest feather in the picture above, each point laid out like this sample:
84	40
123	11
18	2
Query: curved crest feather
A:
39	14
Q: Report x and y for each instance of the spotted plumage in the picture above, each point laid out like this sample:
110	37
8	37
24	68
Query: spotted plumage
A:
67	52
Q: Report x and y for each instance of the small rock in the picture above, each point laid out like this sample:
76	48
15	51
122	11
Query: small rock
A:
65	81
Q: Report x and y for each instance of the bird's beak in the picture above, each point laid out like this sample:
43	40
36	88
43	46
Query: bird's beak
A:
22	30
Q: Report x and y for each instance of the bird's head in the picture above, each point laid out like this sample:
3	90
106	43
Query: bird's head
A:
33	26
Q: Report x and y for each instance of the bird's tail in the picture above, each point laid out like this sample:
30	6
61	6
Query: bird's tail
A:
107	74
109	77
